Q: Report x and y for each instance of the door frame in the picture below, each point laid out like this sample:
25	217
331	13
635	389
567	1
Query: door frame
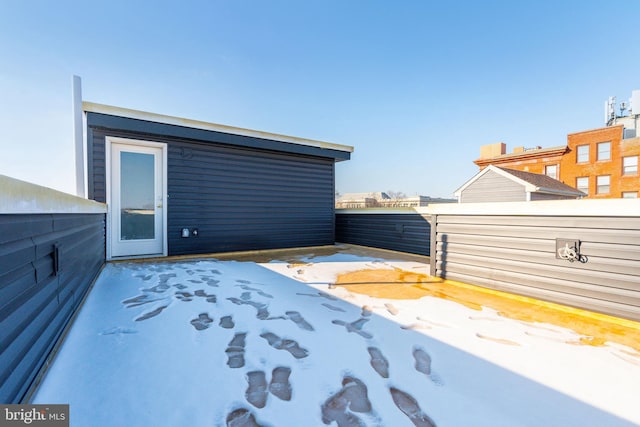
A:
109	140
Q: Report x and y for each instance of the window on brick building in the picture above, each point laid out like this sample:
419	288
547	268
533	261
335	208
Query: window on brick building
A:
603	184
630	165
629	194
551	171
582	184
604	151
582	155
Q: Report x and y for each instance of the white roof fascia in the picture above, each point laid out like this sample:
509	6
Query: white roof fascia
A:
91	107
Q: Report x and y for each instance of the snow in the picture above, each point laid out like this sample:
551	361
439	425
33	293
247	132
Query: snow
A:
149	347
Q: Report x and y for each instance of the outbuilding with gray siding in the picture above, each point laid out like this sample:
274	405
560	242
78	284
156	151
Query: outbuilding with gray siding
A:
209	188
495	184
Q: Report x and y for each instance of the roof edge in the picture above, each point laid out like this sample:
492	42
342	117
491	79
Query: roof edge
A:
91	107
560	149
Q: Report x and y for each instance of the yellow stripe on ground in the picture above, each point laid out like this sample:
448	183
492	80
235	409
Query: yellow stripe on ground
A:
594	328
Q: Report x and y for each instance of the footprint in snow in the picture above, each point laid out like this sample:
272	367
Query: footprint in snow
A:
209	297
140	300
415	326
392	309
378	362
432	323
184	296
151	314
409	406
235	350
258	291
158	289
256	393
164	277
333	307
285	344
280	385
422	361
498	340
355	327
242	417
318	295
297	318
118	331
423	365
353	397
262	312
202	322
227	322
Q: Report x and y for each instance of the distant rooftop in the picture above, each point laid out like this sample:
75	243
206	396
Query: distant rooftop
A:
542	182
497	151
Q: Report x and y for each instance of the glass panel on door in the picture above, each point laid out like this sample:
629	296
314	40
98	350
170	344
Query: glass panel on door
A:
137	196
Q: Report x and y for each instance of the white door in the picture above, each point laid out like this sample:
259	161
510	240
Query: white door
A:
137	214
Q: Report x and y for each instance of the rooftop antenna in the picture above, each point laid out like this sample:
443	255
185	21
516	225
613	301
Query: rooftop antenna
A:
623	107
609	110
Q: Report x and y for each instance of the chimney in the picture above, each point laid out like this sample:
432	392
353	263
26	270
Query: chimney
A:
493	150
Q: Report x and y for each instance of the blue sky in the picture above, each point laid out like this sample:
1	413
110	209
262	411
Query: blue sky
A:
415	86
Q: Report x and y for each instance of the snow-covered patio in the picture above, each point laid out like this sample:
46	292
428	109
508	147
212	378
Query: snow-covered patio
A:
243	343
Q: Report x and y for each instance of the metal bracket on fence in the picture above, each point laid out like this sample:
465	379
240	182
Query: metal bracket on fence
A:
569	249
56	258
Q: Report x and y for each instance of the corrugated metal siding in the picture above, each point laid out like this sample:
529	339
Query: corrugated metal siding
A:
493	187
35	303
405	232
517	254
238	198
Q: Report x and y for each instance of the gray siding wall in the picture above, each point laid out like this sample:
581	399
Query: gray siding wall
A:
238	198
517	254
36	302
406	232
493	187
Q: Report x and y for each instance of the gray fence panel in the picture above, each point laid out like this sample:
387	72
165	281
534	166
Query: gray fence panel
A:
406	232
517	253
47	262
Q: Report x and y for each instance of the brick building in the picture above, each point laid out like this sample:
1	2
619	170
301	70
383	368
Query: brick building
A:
602	163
